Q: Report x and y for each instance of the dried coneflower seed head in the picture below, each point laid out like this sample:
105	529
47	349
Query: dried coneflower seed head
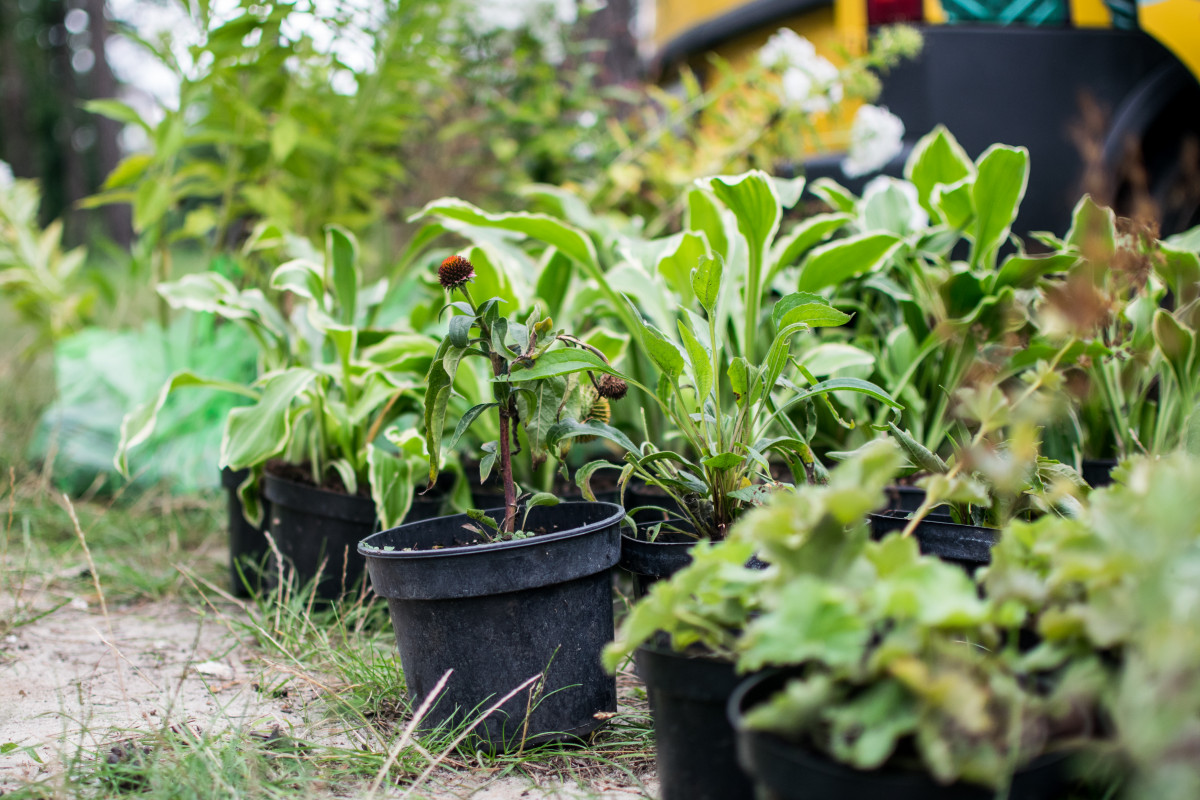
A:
454	272
611	387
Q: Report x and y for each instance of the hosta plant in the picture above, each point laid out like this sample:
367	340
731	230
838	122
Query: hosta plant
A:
331	389
730	414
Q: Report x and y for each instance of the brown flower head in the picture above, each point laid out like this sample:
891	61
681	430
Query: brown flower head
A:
454	272
611	387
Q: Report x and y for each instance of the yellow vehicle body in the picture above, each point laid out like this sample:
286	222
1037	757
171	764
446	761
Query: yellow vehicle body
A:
843	27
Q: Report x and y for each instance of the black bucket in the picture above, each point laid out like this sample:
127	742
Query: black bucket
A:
693	739
783	770
969	546
498	614
651	561
312	527
247	545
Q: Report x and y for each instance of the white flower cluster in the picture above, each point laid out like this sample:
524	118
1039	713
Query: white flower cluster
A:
6	175
876	137
809	82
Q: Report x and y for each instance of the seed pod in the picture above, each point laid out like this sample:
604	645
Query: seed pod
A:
611	387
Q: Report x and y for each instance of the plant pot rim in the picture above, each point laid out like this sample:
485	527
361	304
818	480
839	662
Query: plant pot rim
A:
816	760
615	516
305	497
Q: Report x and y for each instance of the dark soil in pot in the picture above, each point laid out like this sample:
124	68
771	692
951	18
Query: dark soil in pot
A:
693	740
317	532
969	546
500	613
247	545
785	770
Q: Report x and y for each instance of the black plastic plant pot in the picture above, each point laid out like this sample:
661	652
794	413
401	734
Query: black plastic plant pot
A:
1098	471
785	770
500	613
651	561
693	739
247	545
640	494
317	533
969	546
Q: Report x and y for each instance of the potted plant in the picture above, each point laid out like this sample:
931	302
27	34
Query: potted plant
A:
863	681
995	476
685	632
517	593
1123	313
323	431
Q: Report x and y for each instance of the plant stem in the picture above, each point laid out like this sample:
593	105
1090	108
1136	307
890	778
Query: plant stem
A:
506	406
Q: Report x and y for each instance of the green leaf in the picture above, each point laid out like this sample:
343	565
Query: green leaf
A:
831	357
813	310
553	282
150	203
117	111
847	385
569	429
583	477
830	264
558	362
465	421
299	277
661	350
704	216
539	405
739	377
954	202
569	241
723	461
677	265
138	425
285	135
391	486
754	202
701	360
542	499
488	461
460	330
256	433
937	158
1023	272
803	237
706	283
1176	342
341	257
1002	175
921	456
811	619
438	383
129	171
833	193
1093	230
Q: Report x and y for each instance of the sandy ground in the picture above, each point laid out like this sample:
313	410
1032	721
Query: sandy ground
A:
76	678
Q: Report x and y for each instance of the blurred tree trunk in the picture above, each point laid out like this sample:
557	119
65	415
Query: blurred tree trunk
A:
15	147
